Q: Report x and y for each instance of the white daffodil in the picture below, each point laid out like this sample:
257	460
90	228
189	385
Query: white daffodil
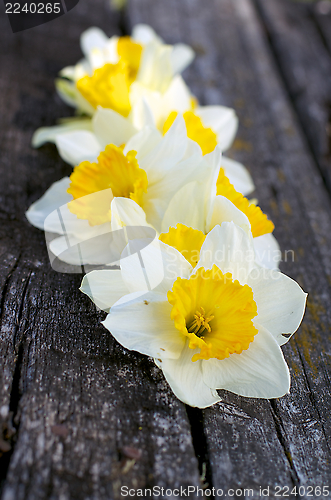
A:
216	199
114	74
116	188
215	324
111	65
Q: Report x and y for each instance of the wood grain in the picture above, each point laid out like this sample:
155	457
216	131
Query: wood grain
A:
81	415
287	441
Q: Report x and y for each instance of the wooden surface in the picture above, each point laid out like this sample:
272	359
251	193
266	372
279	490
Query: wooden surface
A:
80	415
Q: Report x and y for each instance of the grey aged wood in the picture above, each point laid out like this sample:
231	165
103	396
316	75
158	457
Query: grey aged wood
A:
81	415
285	442
299	35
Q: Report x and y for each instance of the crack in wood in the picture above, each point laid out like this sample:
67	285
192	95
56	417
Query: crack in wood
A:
13	417
281	434
200	445
20	311
5	286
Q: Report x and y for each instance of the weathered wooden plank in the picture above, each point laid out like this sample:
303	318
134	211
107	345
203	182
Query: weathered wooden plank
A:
305	63
322	16
285	442
82	416
291	435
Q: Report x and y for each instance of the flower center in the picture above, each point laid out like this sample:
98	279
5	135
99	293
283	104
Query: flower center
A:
114	175
227	328
204	136
200	323
260	224
186	240
108	87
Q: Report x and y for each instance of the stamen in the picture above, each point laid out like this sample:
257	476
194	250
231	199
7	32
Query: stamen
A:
200	323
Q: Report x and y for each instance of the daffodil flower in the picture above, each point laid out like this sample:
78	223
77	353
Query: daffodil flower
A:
117	187
215	324
111	65
111	71
202	204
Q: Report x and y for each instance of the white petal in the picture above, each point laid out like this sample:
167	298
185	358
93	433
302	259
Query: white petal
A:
104	287
81	69
155	210
258	372
129	227
126	212
159	194
68	91
268	253
142	114
229	247
138	91
181	57
77	146
222	120
186	207
143	142
144	325
49	134
213	162
280	302
144	34
96	59
110	50
112	128
92	38
155	70
82	251
166	154
238	175
68	72
223	210
153	266
176	98
186	380
54	197
63	221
